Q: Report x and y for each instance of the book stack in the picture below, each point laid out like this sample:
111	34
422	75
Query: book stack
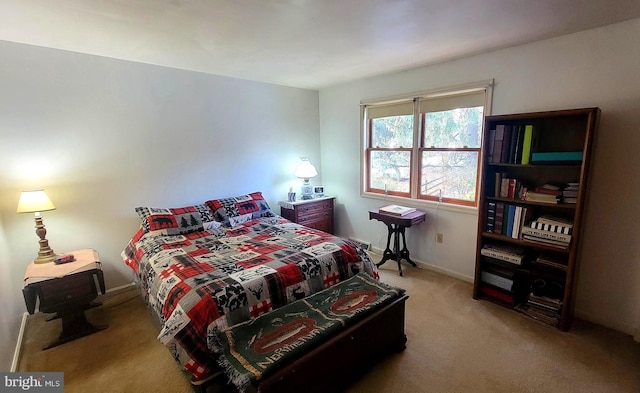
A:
498	278
507	187
510	144
554	231
507	253
549	260
506	218
547	193
542	308
570	193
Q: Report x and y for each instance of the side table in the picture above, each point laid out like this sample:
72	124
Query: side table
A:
67	290
396	226
316	213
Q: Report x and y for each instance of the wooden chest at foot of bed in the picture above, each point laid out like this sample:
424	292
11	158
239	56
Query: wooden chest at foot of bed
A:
344	357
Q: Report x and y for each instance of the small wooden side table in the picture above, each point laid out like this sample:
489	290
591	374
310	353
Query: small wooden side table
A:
67	290
396	226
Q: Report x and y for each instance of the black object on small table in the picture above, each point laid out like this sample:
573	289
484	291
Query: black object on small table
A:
396	226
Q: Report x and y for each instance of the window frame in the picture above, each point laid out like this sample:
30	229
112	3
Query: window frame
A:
418	149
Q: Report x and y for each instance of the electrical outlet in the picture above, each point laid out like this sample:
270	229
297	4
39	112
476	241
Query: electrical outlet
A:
439	237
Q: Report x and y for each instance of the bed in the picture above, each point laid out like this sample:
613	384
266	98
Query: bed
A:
207	267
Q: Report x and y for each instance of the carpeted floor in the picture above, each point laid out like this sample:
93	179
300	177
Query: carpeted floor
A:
455	344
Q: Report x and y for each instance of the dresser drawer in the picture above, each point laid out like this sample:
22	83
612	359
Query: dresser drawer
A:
67	291
314	209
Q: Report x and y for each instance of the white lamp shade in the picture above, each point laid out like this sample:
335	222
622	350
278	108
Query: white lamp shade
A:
34	201
306	169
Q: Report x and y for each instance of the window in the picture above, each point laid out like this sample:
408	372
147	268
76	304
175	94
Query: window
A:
426	146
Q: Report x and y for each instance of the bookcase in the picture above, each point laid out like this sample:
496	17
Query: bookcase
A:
533	189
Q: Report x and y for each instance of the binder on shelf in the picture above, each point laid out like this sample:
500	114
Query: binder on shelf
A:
559	156
526	144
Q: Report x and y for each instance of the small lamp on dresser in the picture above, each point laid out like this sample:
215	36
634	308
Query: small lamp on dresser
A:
37	201
305	171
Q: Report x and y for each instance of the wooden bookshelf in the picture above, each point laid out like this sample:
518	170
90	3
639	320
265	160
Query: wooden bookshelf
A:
566	134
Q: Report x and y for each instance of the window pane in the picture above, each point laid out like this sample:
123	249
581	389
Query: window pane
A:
390	170
453	128
392	131
451	172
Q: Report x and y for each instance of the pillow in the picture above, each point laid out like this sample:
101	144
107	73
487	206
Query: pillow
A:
232	212
175	221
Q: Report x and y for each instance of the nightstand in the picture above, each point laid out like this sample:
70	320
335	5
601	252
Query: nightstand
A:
67	290
316	213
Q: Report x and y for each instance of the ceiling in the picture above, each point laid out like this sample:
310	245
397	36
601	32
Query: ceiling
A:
302	43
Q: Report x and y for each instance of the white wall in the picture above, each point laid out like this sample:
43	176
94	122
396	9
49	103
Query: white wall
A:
593	68
103	136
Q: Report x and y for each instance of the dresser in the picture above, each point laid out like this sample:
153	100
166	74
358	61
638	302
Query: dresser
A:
314	213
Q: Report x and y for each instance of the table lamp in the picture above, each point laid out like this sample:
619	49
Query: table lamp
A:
36	201
305	171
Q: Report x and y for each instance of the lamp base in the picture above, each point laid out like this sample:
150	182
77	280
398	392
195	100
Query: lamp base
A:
45	258
45	254
307	191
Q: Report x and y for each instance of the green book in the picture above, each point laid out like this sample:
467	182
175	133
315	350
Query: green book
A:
526	144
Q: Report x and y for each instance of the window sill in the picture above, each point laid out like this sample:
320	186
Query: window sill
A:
420	204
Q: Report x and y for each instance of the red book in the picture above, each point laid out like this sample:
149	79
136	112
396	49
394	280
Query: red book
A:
496	294
512	188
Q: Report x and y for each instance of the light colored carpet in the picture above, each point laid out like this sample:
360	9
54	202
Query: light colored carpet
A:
455	344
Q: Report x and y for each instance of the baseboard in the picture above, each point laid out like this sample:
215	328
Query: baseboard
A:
16	353
121	287
428	266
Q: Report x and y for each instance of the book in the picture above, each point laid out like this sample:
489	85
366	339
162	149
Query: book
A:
555	220
511	212
551	261
526	144
496	293
545	241
519	146
548	191
497	227
497	143
515	232
506	144
551	228
490	145
499	267
561	237
554	224
491	216
556	156
498	184
540	197
504	187
396	210
511	190
496	280
503	253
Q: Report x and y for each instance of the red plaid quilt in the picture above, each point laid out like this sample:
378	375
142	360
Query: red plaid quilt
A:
201	281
